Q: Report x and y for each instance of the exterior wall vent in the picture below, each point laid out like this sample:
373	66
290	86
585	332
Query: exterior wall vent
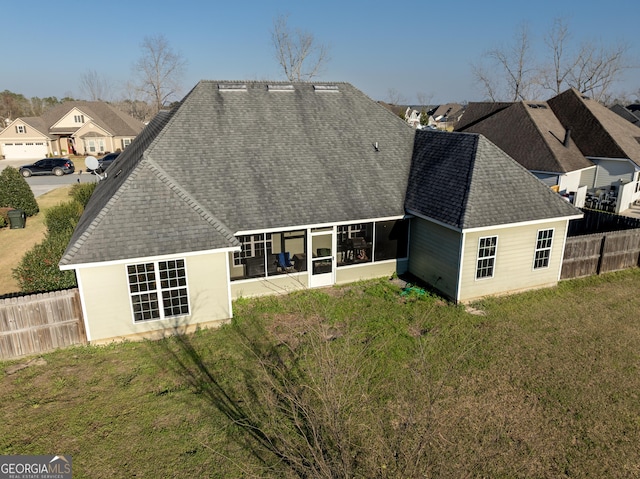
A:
232	87
333	88
280	88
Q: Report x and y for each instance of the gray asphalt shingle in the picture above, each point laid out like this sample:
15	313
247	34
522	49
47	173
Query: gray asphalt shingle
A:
465	181
229	161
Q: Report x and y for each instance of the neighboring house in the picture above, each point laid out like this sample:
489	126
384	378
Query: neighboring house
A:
570	142
80	127
609	141
309	192
445	117
532	135
412	117
627	114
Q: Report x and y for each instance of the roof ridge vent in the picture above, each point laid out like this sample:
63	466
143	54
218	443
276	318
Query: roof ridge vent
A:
280	87
333	88
232	86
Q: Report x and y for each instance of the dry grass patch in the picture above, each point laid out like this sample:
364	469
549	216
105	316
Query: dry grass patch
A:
16	242
546	384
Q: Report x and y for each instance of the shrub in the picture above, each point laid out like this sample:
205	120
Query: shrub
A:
81	192
4	216
63	218
16	193
38	271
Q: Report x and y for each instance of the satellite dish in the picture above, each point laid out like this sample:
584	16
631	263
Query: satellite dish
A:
91	162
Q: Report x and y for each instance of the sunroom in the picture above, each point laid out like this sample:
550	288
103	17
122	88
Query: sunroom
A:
317	256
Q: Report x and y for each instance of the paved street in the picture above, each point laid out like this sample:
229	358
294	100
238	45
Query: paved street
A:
43	184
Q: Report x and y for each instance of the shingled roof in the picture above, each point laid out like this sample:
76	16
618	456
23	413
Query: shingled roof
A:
105	115
464	181
626	113
598	131
531	134
478	111
246	156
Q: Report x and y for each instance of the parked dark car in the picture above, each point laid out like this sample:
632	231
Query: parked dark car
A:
48	166
104	163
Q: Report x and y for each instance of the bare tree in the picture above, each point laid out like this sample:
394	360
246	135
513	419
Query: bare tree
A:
94	86
592	69
297	51
597	69
512	72
394	97
554	77
158	71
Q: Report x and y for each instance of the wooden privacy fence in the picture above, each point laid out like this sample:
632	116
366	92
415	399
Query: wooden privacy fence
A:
39	323
600	253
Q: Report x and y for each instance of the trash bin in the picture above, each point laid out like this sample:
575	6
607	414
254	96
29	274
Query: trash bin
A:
17	218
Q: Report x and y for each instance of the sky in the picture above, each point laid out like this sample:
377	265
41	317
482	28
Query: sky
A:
389	50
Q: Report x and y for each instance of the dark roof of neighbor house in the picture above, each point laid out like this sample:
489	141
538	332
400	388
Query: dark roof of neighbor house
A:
531	134
237	157
478	111
598	131
464	181
626	113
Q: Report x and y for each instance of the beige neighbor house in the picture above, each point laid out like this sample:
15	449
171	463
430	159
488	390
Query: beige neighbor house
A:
80	127
309	192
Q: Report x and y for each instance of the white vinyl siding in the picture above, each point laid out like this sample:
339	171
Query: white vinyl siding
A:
610	171
513	271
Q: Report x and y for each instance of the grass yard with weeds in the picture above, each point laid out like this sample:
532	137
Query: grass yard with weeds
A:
353	381
16	242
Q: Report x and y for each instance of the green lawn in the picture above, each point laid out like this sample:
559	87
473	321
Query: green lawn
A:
356	381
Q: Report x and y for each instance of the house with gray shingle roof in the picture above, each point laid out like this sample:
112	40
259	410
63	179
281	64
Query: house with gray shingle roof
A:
317	185
482	224
82	127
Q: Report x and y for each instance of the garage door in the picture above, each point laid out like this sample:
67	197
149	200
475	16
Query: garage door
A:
24	150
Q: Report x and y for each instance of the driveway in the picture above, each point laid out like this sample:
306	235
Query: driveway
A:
43	184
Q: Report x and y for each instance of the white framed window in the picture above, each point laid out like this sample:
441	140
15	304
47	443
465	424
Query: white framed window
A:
487	249
94	146
21	129
543	249
78	118
126	142
253	246
158	290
